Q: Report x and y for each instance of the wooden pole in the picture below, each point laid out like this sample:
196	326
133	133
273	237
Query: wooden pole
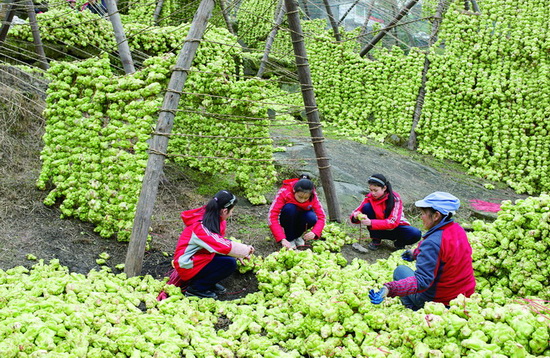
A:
306	9
38	47
347	12
10	13
226	17
332	21
271	37
159	143
366	23
312	113
120	36
158	9
442	8
475	6
383	32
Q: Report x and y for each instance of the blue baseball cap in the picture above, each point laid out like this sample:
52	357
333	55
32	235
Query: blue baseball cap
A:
443	202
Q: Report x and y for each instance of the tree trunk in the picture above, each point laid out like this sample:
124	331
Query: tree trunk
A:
280	14
312	112
332	21
38	47
392	23
442	8
159	143
122	43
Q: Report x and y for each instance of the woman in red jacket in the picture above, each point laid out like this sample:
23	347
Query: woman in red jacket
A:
382	212
203	257
443	259
294	210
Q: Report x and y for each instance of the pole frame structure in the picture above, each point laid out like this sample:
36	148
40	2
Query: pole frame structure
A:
226	17
10	13
38	47
441	9
279	17
404	11
312	113
332	21
347	12
159	143
158	9
123	49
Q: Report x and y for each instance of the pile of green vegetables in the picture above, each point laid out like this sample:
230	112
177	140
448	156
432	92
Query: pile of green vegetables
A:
310	303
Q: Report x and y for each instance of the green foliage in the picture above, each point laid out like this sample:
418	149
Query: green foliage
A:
511	254
255	21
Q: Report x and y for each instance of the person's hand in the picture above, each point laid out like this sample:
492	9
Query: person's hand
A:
378	297
365	220
251	251
407	255
286	244
309	236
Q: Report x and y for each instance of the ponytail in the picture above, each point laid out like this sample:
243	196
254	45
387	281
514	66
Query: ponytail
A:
381	181
304	184
222	200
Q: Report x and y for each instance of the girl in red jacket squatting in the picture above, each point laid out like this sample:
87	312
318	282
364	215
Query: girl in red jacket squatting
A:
443	259
294	210
382	212
203	257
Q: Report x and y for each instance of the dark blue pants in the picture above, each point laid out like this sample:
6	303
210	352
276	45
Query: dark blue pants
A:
216	270
402	235
416	300
295	221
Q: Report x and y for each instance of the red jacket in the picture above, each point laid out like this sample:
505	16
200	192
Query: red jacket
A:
443	266
197	246
285	195
396	218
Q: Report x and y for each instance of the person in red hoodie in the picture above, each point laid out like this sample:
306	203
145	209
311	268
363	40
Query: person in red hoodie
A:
203	257
443	259
295	209
382	213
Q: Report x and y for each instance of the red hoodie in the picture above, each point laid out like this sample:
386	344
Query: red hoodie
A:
395	218
197	246
285	195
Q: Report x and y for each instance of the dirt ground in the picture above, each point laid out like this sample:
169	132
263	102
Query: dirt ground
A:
27	226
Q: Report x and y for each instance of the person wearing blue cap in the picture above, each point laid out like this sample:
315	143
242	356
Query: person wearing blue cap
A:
443	259
381	211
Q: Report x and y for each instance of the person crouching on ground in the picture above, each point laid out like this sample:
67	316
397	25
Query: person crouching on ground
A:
295	209
382	212
203	257
443	259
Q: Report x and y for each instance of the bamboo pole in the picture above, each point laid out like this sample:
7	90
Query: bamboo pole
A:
442	8
158	9
332	21
347	12
280	14
120	36
38	47
404	11
312	113
159	143
10	13
226	17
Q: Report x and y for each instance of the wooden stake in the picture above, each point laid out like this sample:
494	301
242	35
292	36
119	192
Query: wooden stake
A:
120	36
312	113
159	143
226	17
332	21
10	13
404	11
280	14
442	8
158	9
38	47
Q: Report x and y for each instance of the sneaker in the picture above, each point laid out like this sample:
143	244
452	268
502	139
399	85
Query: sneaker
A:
292	244
374	245
219	289
191	292
300	241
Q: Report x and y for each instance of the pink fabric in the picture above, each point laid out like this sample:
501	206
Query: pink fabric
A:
173	280
396	218
484	205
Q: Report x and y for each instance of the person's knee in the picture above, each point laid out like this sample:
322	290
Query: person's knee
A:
310	218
